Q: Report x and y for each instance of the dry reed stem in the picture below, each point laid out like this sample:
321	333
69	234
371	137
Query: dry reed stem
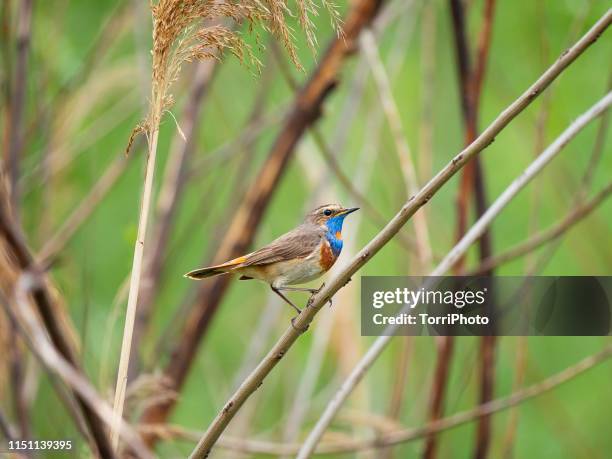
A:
130	317
181	34
395	436
168	199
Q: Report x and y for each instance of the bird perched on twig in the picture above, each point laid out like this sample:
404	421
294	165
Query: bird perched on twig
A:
297	257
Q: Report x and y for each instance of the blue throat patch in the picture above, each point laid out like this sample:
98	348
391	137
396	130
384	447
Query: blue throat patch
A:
334	225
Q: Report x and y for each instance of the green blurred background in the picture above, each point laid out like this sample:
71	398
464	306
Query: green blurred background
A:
93	112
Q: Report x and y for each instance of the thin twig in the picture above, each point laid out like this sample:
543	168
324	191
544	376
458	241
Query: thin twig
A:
303	320
399	436
575	216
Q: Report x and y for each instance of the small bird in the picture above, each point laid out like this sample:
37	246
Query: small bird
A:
299	256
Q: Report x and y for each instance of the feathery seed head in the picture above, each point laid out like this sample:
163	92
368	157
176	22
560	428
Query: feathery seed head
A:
188	30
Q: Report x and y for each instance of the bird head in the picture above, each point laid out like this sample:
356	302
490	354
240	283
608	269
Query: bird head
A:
329	215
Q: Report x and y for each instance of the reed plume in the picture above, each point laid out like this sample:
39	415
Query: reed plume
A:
185	31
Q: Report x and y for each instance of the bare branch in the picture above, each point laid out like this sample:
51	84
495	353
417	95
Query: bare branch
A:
447	263
255	379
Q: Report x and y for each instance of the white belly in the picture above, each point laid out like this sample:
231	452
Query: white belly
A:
285	273
297	273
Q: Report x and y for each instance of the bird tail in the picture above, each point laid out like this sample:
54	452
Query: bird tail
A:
203	273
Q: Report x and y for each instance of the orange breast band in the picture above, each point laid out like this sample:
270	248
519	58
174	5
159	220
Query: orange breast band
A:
327	257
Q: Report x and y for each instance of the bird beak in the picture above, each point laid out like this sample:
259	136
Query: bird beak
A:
349	211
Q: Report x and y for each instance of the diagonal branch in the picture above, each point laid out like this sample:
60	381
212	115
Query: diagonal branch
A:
302	321
577	214
447	263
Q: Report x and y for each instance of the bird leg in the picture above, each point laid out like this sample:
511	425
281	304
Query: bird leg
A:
277	291
312	291
300	289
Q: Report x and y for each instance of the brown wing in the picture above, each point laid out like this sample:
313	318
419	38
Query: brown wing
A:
299	243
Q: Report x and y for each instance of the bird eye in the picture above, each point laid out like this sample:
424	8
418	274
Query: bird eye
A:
327	212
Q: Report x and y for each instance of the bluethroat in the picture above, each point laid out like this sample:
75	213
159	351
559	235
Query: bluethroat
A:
297	257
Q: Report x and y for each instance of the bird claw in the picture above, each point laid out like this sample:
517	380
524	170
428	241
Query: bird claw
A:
300	330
